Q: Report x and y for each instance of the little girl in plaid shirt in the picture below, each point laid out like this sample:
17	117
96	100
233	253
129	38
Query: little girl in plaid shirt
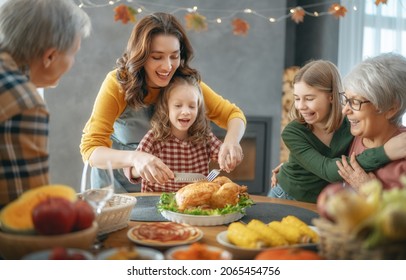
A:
180	135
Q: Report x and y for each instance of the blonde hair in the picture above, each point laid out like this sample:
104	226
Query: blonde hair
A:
200	130
324	76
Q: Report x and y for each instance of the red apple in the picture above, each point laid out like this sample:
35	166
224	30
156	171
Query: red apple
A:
61	253
84	215
324	196
58	253
77	256
54	215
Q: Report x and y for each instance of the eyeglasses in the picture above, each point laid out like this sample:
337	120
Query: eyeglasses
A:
355	104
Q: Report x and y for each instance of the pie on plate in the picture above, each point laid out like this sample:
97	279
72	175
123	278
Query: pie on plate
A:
164	234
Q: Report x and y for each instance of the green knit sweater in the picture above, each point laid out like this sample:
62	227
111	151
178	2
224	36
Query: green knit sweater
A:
312	164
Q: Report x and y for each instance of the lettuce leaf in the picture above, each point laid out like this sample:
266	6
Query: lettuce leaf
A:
168	202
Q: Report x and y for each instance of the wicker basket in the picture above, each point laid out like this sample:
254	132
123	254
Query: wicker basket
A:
336	244
116	214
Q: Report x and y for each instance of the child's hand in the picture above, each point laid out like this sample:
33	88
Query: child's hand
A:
274	180
395	148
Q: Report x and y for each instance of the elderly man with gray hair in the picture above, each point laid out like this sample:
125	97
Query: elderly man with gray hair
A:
38	43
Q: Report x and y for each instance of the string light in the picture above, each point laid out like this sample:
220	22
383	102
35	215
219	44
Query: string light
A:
297	14
90	4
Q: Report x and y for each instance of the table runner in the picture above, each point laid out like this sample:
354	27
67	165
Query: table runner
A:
268	212
145	210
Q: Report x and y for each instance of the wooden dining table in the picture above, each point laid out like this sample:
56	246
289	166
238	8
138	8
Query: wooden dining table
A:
119	238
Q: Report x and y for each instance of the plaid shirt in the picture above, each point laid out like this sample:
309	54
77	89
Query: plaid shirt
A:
24	122
179	156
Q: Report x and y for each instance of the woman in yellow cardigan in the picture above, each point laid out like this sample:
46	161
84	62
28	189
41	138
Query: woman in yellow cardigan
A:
157	50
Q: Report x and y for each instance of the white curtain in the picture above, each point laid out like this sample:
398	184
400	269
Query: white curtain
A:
368	30
350	40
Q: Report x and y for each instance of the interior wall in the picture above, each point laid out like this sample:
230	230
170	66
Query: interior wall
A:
247	70
314	38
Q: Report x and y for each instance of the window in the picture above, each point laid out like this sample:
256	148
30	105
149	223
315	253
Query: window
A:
368	30
384	28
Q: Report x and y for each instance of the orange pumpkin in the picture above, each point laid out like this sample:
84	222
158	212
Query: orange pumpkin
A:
288	254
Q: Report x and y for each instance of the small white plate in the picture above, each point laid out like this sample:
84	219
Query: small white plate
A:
45	254
164	234
225	255
143	254
201	220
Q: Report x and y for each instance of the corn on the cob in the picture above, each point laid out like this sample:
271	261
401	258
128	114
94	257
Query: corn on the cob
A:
303	227
290	233
271	237
240	235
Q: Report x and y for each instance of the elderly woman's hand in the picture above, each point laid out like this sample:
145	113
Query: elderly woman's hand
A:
352	172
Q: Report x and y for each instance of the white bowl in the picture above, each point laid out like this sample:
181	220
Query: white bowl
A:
241	253
225	255
45	254
143	254
201	220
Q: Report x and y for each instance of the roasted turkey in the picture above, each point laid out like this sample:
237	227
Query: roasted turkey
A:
216	194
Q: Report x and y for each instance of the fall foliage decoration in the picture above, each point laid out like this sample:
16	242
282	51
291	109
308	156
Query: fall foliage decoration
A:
297	14
195	21
124	13
377	2
240	27
337	10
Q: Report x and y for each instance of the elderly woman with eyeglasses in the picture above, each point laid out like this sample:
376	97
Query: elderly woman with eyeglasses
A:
374	103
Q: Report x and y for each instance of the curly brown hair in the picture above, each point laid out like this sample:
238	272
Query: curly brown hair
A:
130	67
200	130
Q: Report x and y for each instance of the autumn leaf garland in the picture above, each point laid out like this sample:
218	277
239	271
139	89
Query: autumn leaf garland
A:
124	13
197	22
